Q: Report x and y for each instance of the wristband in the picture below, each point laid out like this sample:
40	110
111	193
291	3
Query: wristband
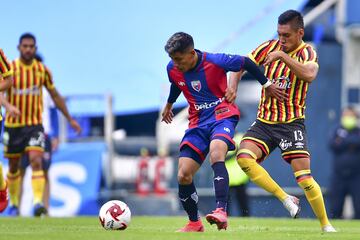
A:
268	83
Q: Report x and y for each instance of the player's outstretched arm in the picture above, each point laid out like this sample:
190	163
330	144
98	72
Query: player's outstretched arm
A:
60	104
271	89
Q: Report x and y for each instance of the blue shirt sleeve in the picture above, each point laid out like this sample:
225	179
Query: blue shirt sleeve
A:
174	90
228	62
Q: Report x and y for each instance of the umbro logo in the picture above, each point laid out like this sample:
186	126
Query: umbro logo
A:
181	84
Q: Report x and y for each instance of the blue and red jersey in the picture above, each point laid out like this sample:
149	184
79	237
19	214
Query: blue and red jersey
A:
204	87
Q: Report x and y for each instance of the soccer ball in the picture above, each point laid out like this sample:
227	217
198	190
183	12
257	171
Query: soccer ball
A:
115	215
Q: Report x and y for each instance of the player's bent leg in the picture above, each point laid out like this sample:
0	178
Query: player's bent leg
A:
246	157
13	180
37	182
187	191
312	191
218	149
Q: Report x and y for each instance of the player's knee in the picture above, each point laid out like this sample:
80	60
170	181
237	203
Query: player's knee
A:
246	159
36	164
216	155
13	165
184	178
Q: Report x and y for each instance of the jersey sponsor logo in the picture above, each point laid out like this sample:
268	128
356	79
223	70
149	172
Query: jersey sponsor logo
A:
27	91
284	144
222	110
283	82
208	105
196	85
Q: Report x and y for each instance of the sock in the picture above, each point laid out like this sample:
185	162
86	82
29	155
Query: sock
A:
14	187
258	174
313	195
38	186
189	199
2	180
221	184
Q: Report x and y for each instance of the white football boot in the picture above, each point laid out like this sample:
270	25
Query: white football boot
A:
292	204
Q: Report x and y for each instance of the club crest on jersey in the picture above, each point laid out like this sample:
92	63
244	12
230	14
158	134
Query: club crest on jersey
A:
196	85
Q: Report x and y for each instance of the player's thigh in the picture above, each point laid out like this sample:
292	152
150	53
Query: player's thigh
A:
252	147
195	144
36	143
14	140
298	164
293	143
258	140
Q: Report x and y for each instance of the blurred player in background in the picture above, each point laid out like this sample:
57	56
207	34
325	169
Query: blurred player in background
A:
293	65
202	78
24	133
51	130
5	83
345	177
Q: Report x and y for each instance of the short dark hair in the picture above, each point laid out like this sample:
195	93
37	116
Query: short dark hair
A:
27	35
179	42
293	17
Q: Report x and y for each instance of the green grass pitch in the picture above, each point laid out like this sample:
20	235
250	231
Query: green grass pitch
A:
163	228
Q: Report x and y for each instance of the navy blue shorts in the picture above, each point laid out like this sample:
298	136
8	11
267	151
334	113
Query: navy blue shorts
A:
196	141
46	158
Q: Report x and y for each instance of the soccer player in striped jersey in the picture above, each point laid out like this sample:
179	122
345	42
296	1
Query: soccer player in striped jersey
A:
24	132
201	76
5	83
293	65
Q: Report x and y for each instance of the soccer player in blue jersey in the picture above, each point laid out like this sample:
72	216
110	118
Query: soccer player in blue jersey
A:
201	76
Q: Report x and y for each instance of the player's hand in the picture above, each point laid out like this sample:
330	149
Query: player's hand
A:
167	114
273	56
75	125
12	111
230	95
276	92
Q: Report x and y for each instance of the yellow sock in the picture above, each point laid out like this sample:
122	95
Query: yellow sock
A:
258	174
2	180
313	195
14	187
38	185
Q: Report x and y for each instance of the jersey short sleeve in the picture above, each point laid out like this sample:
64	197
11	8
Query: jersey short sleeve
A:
48	83
309	55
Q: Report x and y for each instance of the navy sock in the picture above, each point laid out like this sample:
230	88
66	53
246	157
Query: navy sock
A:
189	199
221	184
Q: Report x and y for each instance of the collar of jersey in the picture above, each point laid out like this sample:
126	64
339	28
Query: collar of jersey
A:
297	49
